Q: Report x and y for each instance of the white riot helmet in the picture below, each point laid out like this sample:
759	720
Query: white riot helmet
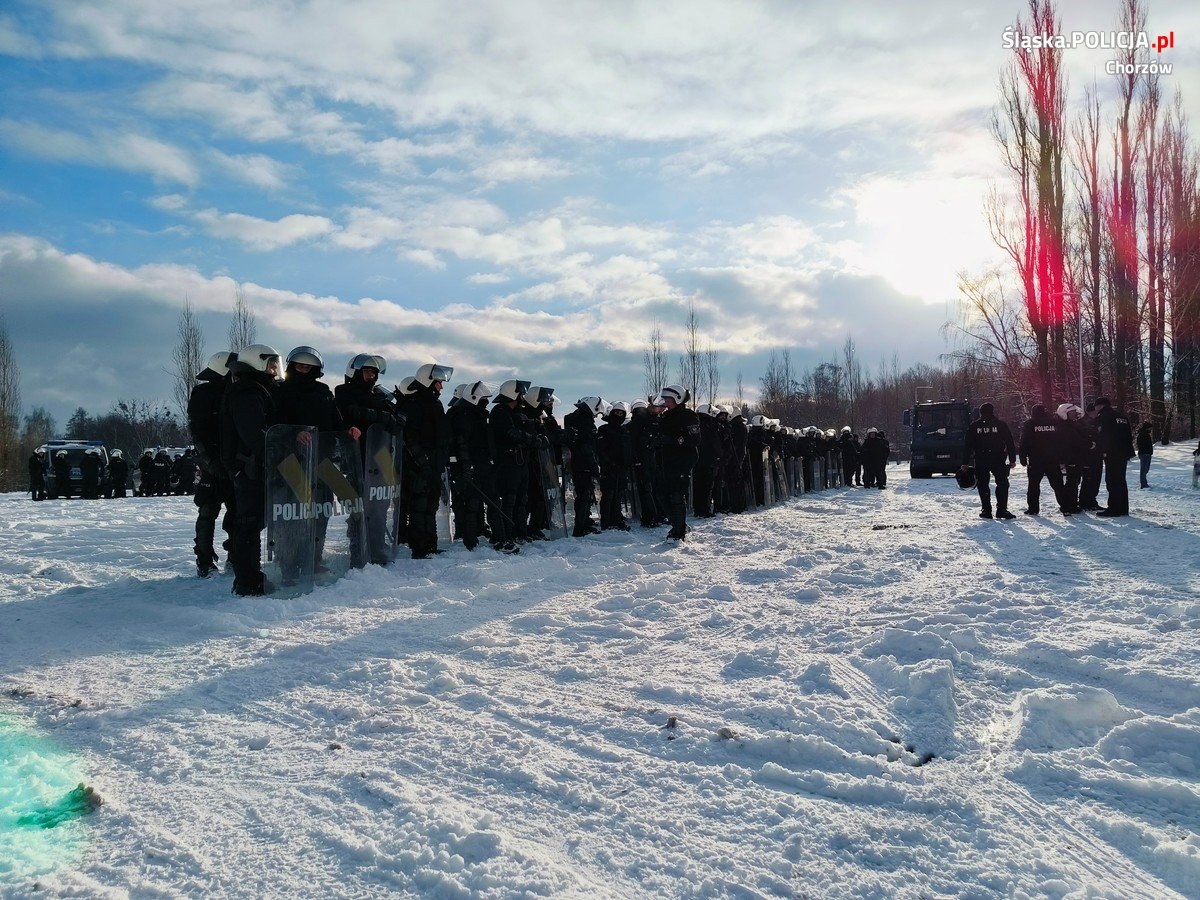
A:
621	407
407	386
479	391
872	430
676	392
1067	411
460	391
258	357
61	454
811	430
307	356
365	361
757	421
431	372
594	405
845	429
217	367
511	390
117	454
638	404
705	409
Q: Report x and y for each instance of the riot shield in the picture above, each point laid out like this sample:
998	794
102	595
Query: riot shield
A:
379	526
782	491
291	508
748	483
556	510
445	526
768	479
339	485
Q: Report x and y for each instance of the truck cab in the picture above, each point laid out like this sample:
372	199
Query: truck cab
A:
938	436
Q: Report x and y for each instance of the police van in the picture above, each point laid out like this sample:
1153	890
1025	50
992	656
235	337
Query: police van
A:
73	453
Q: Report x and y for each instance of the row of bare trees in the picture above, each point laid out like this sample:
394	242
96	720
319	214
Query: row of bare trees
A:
699	366
1100	224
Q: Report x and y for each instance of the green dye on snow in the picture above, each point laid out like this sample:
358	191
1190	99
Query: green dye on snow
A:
41	801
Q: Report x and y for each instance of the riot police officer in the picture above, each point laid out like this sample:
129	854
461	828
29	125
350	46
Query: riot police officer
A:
990	445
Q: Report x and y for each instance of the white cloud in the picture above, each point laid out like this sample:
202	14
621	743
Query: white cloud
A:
254	169
264	234
126	151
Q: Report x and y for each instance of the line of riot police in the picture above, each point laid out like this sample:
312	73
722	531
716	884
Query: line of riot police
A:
279	451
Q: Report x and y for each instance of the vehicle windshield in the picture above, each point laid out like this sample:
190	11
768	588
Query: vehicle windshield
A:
934	420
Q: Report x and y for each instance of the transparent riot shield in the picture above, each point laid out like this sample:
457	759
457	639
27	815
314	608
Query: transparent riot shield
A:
339	488
289	560
768	479
748	483
781	484
556	510
445	524
379	526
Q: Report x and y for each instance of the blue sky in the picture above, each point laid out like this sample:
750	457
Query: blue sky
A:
515	189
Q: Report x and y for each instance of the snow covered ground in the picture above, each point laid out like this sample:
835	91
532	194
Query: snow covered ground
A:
855	694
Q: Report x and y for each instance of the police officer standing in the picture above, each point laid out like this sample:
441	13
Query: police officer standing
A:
680	437
426	440
37	474
990	442
512	444
215	488
248	409
118	474
1092	468
579	433
1041	450
1115	440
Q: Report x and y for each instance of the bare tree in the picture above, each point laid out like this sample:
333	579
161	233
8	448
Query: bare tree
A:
1122	216
739	399
187	358
852	377
690	362
1090	212
1030	128
711	373
243	328
654	361
10	414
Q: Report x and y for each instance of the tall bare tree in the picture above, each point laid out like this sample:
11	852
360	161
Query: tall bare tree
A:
187	358
243	327
10	414
1030	128
710	381
690	361
1089	253
1122	214
654	362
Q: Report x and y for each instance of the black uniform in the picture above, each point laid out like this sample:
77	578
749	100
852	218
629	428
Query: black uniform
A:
425	444
160	474
1092	466
37	476
850	462
579	433
1115	439
643	429
248	408
363	404
470	468
512	444
615	452
89	469
118	476
1145	451
990	443
735	464
304	400
215	488
708	462
1043	449
874	453
679	435
184	471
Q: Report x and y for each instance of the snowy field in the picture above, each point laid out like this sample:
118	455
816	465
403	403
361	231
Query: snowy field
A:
855	694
